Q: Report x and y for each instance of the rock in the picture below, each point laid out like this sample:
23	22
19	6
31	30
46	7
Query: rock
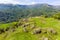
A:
2	31
32	26
51	30
37	31
16	25
25	20
25	30
7	28
13	29
44	30
45	38
46	16
25	25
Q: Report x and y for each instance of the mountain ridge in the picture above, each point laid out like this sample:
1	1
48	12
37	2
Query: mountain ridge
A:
10	12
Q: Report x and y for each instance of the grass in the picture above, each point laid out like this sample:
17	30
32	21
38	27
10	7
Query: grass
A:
19	34
7	25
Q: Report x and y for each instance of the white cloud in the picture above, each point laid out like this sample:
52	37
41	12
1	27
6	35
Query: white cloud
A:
28	2
9	1
55	2
13	2
17	2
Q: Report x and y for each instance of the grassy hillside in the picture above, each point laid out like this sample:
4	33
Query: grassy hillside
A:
25	29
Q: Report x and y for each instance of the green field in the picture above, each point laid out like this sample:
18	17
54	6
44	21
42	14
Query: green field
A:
39	22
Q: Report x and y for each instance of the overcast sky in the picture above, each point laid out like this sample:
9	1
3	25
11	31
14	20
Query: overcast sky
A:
28	2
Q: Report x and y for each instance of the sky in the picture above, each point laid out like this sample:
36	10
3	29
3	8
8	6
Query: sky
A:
29	2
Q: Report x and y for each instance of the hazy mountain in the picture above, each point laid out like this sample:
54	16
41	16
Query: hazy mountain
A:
10	12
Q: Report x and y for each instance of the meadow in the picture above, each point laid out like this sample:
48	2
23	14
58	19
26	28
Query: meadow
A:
39	22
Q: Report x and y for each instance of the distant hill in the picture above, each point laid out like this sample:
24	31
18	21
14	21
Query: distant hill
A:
10	12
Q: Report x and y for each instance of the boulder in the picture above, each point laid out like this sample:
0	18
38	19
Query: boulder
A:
25	25
7	28
44	30
2	31
25	30
32	26
37	31
51	30
13	29
16	25
25	20
45	38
